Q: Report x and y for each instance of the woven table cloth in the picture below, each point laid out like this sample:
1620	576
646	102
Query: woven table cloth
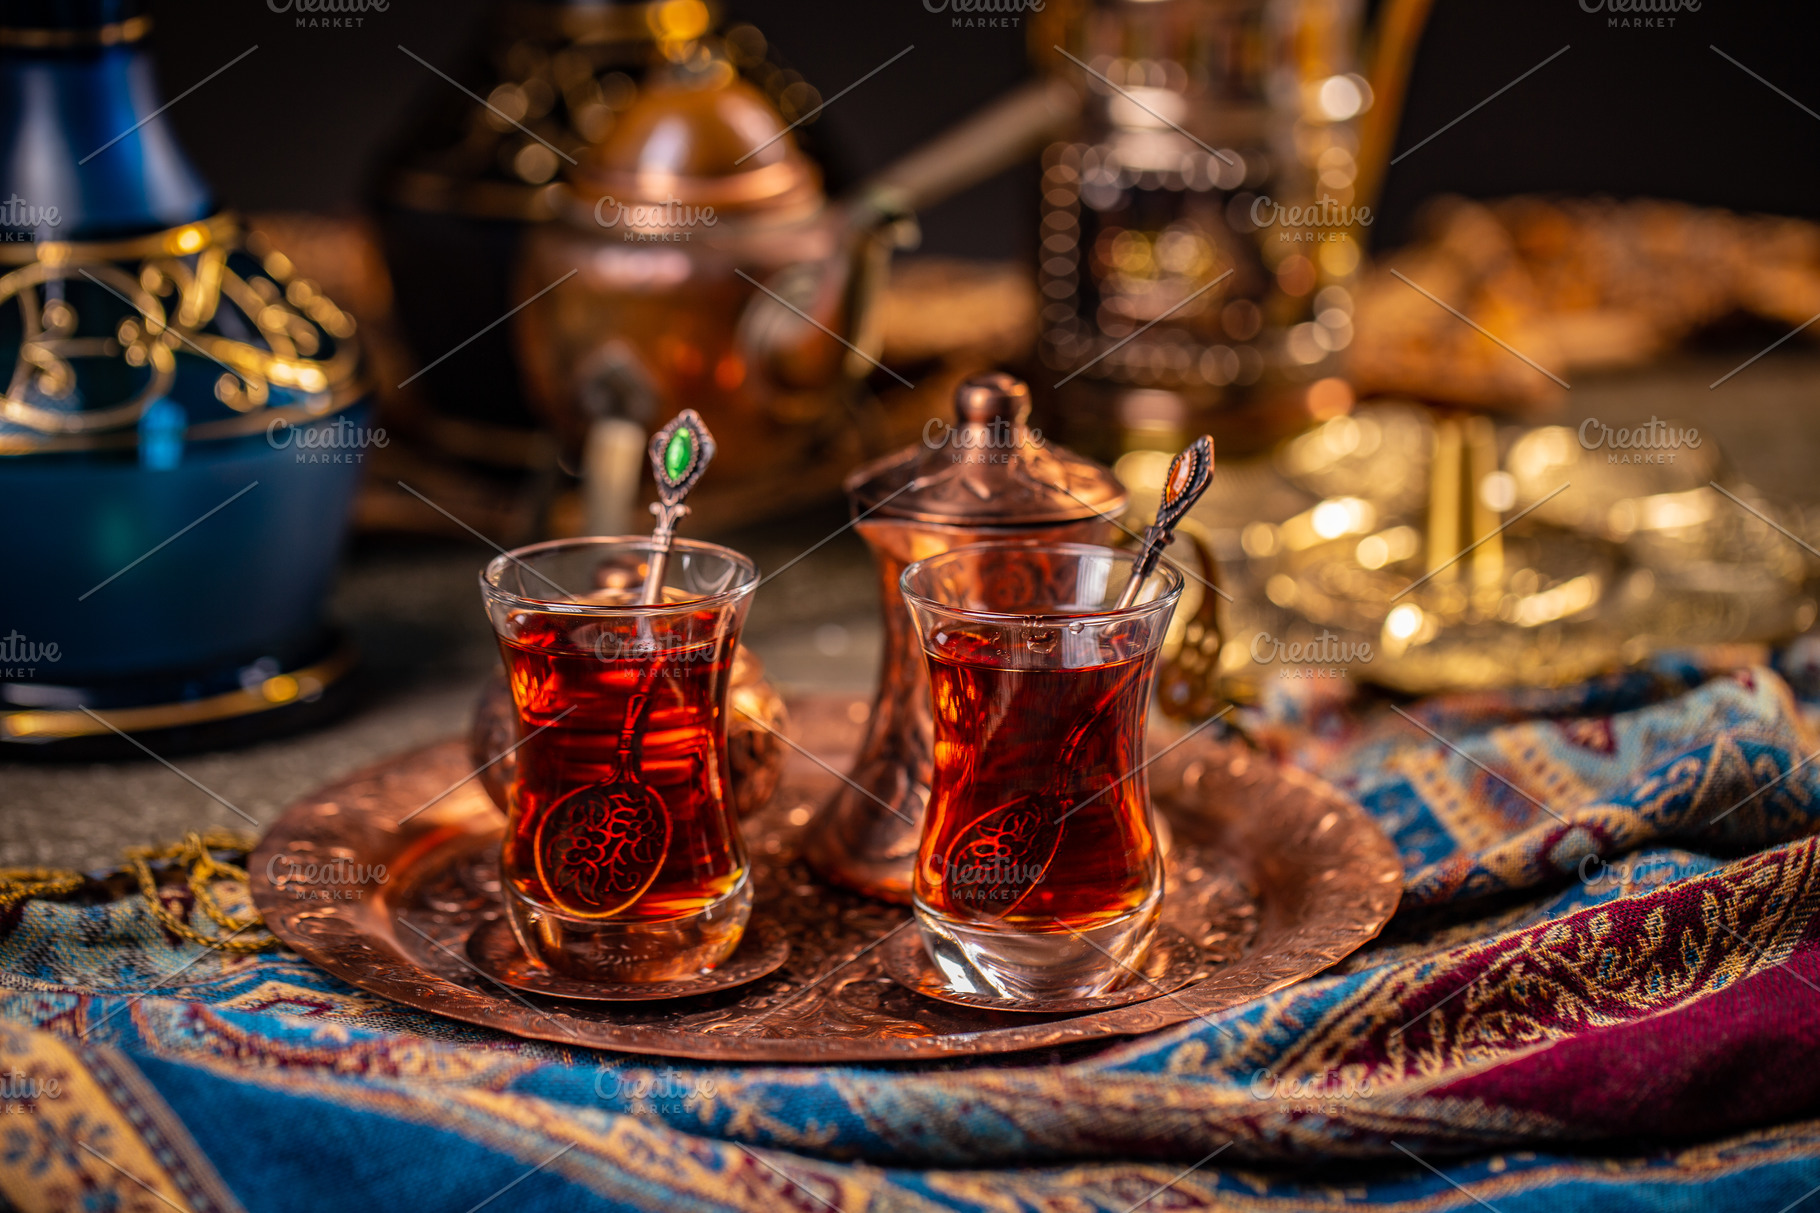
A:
1601	991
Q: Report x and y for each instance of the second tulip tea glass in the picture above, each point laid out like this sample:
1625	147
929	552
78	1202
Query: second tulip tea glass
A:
1039	873
623	860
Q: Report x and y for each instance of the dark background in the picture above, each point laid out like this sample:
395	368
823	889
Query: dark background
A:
302	123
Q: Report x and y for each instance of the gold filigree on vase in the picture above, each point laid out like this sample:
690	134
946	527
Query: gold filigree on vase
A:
198	288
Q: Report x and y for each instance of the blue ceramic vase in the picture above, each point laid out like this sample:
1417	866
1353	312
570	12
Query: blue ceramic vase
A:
183	425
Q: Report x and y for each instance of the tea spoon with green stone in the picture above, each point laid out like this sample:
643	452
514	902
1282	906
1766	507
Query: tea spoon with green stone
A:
601	846
680	453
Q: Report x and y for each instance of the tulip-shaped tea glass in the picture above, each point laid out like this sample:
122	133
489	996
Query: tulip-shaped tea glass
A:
622	859
1039	874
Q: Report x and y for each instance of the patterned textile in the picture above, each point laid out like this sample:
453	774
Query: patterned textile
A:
1603	992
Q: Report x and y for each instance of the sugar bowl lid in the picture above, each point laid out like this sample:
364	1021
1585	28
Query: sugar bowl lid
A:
988	468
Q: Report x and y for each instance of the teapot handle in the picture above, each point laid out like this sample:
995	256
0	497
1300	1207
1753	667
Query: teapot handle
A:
1014	126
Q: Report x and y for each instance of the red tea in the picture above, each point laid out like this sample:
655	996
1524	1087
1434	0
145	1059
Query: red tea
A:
1039	818
621	807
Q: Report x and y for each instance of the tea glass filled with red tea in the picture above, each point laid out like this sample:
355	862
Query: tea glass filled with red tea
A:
1039	873
622	859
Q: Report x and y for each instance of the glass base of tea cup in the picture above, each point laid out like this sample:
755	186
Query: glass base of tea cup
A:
610	950
1031	966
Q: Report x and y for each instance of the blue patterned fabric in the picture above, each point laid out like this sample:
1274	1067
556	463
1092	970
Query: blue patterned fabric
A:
1603	993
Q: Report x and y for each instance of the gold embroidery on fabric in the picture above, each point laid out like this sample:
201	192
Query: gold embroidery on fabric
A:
68	1145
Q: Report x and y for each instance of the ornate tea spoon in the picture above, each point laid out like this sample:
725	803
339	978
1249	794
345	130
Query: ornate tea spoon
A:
600	847
680	453
1189	475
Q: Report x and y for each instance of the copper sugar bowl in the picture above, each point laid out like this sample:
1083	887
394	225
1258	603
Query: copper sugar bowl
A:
986	477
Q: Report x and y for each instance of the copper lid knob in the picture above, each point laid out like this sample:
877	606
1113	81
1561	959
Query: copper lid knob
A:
994	396
987	469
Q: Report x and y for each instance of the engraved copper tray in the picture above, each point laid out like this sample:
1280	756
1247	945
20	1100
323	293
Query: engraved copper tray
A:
1274	875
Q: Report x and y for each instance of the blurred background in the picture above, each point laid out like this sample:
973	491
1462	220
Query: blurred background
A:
1629	112
1367	246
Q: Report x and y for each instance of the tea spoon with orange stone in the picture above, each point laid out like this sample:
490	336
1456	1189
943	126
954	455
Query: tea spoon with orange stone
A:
1029	827
1189	475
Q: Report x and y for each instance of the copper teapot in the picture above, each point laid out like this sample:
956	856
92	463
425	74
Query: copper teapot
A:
697	261
988	475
